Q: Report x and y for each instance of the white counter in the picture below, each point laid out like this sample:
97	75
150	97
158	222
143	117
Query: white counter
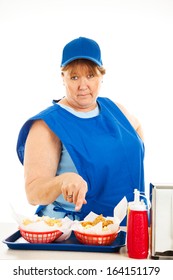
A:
7	229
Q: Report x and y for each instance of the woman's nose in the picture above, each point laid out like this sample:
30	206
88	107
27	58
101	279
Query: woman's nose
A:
83	83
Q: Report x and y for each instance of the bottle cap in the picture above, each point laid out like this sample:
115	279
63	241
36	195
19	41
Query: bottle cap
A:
137	204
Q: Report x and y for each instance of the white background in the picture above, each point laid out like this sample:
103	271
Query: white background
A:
136	38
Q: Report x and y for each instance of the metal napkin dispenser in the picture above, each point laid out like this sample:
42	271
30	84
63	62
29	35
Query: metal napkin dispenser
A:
161	221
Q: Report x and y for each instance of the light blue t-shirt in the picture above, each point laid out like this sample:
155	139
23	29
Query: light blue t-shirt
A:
66	164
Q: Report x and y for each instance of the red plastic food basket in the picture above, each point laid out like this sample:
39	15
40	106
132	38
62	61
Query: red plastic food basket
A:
40	237
95	239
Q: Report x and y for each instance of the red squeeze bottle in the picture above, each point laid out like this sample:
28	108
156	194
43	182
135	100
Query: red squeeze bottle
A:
137	229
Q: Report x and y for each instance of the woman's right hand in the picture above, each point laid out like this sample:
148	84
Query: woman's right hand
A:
74	189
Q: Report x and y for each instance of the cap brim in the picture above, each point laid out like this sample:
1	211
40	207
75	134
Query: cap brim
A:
81	57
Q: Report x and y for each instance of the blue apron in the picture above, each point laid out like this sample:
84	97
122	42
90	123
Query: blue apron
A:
106	150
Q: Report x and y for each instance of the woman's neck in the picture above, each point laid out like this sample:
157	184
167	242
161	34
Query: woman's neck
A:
66	102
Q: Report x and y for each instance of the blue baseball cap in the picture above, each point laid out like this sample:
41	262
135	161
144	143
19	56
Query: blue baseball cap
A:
81	48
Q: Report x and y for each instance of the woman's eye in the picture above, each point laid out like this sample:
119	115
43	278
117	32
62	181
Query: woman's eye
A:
90	76
74	77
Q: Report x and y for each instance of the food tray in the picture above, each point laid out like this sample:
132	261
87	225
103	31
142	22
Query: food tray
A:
16	242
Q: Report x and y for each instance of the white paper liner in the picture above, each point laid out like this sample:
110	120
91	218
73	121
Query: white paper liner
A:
68	225
41	226
97	229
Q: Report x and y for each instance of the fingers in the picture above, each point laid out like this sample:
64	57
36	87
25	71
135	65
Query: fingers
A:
69	197
80	200
79	204
79	196
74	190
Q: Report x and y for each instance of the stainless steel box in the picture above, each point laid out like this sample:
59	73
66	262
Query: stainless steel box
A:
161	221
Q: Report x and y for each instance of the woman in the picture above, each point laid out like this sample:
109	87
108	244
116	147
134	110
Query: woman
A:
84	153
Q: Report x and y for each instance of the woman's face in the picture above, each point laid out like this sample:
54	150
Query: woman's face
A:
82	86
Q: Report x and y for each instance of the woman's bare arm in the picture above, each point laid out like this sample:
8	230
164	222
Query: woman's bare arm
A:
42	155
133	120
